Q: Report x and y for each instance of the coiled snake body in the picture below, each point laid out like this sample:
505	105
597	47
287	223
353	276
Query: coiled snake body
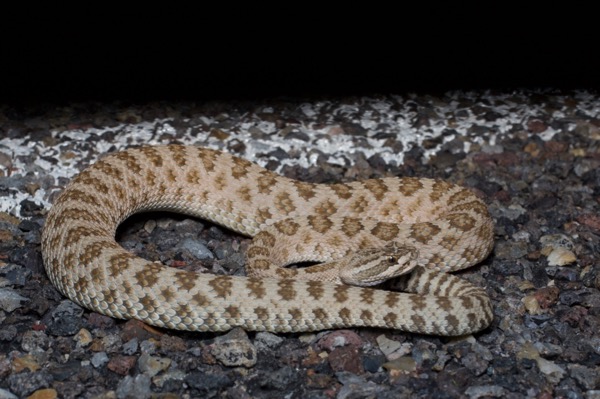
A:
431	226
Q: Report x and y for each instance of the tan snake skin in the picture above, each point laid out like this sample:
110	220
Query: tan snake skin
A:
445	227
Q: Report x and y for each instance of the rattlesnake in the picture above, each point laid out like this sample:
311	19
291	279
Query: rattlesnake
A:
440	227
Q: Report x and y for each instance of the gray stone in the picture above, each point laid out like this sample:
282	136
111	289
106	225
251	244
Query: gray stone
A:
196	249
10	299
134	387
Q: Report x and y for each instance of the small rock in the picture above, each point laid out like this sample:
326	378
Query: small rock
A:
356	387
560	257
24	384
130	347
150	225
46	393
8	333
485	391
121	364
99	359
589	378
65	319
25	362
403	363
171	375
134	387
265	341
171	343
4	394
10	299
208	382
346	358
280	379
338	339
152	365
83	338
234	349
386	345
148	346
34	341
196	249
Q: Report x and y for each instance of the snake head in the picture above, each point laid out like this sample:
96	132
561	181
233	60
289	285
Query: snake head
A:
372	266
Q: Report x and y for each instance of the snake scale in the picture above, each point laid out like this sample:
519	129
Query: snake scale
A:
437	227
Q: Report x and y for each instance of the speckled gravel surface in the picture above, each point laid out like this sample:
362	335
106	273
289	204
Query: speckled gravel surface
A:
533	156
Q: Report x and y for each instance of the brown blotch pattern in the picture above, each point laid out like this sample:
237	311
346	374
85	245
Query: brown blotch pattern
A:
131	163
346	315
305	190
232	312
461	221
320	224
153	156
367	296
185	281
261	313
208	159
367	316
178	154
119	263
440	188
343	191
418	321
168	293
385	231
284	203
326	208
462	195
341	293
221	285
240	168
245	194
295	313
391	299
262	215
359	205
424	232
286	289
409	185
320	314
148	276
287	227
390	319
193	177
200	300
377	187
266	181
256	288
351	226
315	289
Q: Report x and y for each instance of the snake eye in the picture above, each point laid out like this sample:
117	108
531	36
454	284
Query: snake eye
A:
392	260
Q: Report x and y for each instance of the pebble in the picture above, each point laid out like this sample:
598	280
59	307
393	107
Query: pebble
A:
354	386
152	365
65	319
99	359
130	347
196	249
234	349
10	300
264	341
4	394
134	387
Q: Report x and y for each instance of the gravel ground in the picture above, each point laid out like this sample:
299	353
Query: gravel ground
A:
533	156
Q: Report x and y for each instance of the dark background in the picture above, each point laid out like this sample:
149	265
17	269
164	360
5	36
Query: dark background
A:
75	59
